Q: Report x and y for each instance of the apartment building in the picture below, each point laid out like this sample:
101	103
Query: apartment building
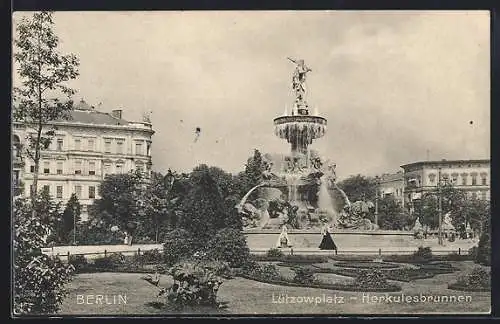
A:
84	150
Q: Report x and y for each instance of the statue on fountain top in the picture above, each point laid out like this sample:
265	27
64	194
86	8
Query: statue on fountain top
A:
298	84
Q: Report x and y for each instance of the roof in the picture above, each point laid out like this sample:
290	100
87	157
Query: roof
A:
94	117
84	113
444	162
388	177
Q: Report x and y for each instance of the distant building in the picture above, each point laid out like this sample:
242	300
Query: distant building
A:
472	176
84	149
392	184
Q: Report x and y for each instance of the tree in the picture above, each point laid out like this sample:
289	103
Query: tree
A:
202	211
484	246
70	217
391	215
119	205
254	168
43	73
39	280
157	202
359	187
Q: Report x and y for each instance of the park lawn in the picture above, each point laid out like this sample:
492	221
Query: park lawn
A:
250	297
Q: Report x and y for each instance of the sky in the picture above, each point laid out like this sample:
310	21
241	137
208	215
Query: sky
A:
396	87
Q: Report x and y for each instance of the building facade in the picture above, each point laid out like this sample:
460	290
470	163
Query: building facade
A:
83	151
472	176
392	184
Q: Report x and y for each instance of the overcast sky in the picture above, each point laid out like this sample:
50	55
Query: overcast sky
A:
391	84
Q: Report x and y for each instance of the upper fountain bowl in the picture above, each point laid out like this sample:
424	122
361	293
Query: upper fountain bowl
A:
311	127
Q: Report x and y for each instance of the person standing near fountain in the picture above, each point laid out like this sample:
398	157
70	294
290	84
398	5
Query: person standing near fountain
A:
283	240
327	242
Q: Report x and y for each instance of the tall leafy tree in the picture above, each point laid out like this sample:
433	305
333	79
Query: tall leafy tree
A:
119	204
359	188
391	215
254	168
70	218
43	73
202	211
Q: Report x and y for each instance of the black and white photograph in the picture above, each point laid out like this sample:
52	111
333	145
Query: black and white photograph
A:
223	163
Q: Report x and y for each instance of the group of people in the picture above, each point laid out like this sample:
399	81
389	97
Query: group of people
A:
327	242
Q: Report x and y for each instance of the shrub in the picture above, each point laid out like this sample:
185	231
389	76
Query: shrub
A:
79	262
39	280
473	252
220	268
477	279
193	285
423	254
370	279
178	245
110	261
262	272
483	255
274	253
229	245
152	256
304	275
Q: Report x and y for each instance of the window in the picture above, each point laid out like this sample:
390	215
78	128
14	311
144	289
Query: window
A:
60	144
484	181
107	146
32	169
78	191
59	168
107	169
474	195
474	180
90	144
119	147
59	192
454	178
464	179
46	167
78	167
46	189
118	168
432	178
78	143
31	190
483	195
138	149
139	168
91	192
92	168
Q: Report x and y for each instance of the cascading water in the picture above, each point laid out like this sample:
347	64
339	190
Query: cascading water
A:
325	200
292	183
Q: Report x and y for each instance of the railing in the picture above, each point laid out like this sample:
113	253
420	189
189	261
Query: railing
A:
66	256
458	251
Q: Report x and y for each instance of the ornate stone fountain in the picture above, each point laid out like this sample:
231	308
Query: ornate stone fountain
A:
299	189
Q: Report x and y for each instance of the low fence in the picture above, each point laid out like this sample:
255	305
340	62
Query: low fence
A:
97	254
458	251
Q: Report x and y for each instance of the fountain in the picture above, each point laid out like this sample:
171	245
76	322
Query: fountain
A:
305	182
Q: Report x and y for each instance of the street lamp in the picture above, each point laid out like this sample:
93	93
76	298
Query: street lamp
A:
377	181
440	211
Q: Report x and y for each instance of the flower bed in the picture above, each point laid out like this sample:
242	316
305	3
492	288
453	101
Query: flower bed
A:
400	274
367	265
477	280
342	287
270	274
298	259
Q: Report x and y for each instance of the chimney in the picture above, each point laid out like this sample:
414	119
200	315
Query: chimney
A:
117	113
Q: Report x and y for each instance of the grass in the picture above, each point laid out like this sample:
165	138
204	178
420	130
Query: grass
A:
250	297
